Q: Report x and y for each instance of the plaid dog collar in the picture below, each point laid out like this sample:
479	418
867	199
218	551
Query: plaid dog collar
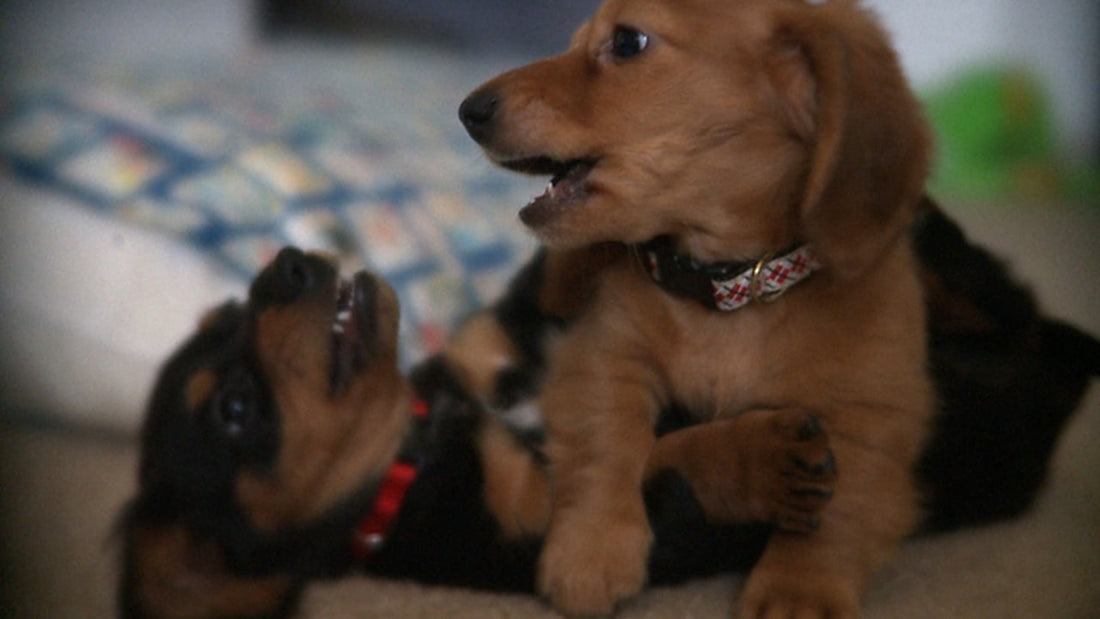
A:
727	286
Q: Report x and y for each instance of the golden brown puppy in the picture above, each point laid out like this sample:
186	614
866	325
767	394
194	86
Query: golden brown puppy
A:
716	135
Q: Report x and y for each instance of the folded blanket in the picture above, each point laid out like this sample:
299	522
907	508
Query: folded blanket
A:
355	151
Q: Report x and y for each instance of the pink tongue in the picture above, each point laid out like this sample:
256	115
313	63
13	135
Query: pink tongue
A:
554	191
569	185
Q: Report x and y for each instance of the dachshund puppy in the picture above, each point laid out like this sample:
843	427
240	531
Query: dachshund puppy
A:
762	162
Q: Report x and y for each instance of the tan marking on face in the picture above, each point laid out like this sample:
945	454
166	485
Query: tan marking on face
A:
327	452
516	488
199	389
329	445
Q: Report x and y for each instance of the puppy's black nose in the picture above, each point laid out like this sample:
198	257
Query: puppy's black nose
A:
477	113
293	271
291	275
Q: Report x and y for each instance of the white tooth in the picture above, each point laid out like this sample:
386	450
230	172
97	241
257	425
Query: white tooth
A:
343	315
338	328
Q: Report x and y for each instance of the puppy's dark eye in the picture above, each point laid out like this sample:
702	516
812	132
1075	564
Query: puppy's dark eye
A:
234	411
627	43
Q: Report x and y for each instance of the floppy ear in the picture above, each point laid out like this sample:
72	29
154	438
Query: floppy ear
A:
168	573
844	93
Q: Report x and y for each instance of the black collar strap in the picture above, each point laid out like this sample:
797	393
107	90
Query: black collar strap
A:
726	286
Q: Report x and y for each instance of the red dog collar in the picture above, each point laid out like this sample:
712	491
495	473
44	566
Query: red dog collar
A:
727	286
370	535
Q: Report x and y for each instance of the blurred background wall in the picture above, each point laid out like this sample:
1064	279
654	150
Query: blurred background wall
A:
938	39
1058	42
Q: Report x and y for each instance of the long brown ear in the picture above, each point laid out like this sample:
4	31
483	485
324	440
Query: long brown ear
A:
844	92
168	573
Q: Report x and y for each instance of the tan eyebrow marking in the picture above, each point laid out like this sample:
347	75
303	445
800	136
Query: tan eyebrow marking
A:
199	388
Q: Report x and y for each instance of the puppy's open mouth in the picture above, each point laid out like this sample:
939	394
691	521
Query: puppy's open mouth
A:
354	328
569	186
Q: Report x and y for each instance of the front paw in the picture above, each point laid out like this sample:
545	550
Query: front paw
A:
589	564
806	472
774	592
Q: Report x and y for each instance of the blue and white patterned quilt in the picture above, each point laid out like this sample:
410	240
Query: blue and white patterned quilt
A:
352	151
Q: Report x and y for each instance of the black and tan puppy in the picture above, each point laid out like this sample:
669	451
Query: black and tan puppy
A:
282	444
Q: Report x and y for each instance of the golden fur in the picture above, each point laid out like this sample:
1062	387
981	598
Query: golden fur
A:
773	466
742	127
516	488
478	352
199	388
739	466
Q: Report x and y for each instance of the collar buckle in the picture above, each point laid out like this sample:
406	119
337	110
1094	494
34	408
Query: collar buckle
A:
756	285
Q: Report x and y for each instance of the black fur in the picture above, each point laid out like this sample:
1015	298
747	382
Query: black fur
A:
687	545
1006	385
444	534
528	327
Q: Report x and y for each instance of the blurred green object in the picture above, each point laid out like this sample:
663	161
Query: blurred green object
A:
996	138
